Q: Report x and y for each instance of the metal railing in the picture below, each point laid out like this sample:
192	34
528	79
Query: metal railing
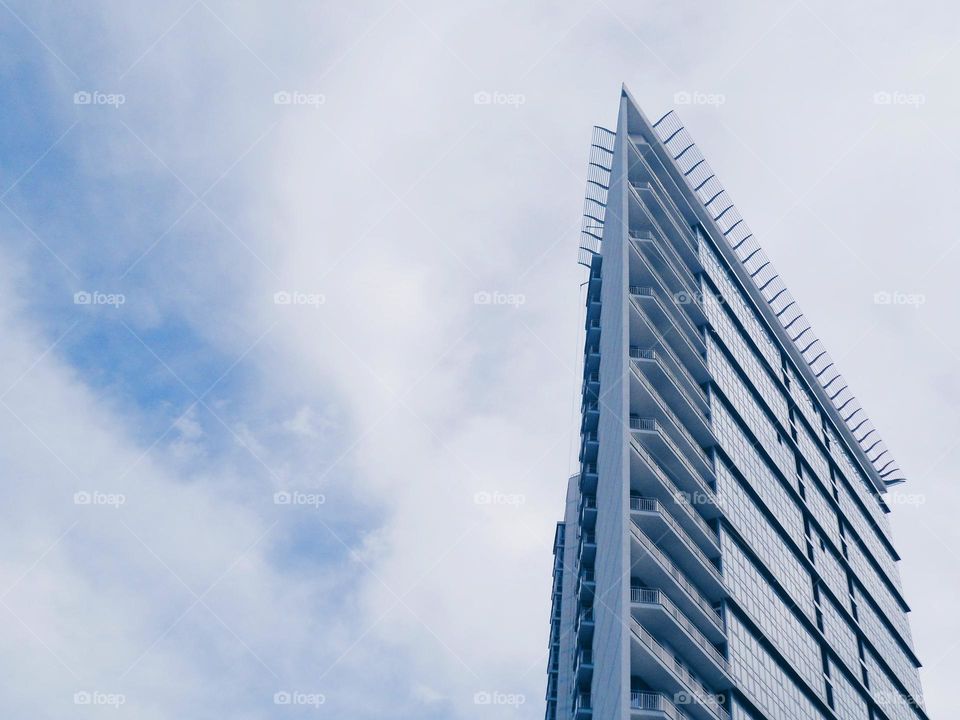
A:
706	698
677	422
672	258
683	336
665	347
655	702
667	206
651	596
653	424
658	356
645	504
582	702
639	423
679	496
678	575
689	294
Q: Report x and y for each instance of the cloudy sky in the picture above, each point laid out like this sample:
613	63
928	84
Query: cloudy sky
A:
240	245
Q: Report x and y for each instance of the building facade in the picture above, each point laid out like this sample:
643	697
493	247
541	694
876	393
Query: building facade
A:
725	550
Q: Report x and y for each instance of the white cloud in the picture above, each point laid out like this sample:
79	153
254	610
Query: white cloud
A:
396	200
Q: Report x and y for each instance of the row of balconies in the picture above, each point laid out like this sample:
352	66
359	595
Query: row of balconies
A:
658	440
661	667
651	513
651	323
648	478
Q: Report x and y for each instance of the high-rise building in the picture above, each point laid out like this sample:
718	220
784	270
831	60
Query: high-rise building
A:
725	550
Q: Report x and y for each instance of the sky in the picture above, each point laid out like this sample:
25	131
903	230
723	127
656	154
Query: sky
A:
291	320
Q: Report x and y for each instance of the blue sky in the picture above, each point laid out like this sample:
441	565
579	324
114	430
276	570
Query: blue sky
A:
384	199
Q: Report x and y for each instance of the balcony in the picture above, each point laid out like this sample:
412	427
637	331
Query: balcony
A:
661	207
591	360
584	667
655	520
648	478
645	333
684	303
688	338
653	705
590	411
650	433
587	552
589	445
586	587
582	708
661	668
583	628
658	614
646	401
588	512
675	381
588	479
591	386
671	268
593	330
654	566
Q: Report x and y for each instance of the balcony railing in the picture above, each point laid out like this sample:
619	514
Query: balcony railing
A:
655	702
582	703
704	696
681	428
679	496
659	357
679	576
665	289
651	596
674	329
652	424
670	255
644	504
